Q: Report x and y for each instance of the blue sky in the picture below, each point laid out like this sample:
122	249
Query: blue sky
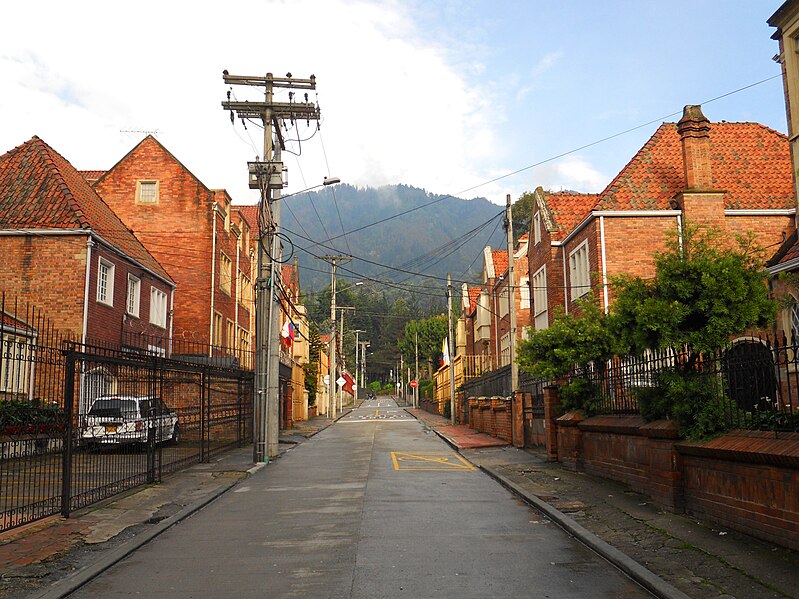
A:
444	95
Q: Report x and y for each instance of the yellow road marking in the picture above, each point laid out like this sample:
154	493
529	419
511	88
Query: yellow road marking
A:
429	461
376	414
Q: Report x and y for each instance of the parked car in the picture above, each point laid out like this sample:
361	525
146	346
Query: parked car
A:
118	419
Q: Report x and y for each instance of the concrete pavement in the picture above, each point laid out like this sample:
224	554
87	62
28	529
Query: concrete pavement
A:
701	560
44	553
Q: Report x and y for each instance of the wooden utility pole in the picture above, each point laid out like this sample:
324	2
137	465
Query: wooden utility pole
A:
267	176
450	347
514	368
332	347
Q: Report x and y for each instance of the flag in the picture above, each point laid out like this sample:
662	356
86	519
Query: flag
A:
287	332
445	352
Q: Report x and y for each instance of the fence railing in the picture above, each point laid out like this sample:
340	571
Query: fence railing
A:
754	380
80	423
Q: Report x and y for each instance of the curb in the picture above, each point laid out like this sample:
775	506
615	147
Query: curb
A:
64	587
644	577
635	571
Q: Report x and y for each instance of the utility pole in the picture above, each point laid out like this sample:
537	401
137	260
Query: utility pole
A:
514	368
416	376
364	345
332	348
358	360
341	353
450	346
267	176
401	377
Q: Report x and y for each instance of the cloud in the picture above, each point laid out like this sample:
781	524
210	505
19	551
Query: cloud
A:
395	105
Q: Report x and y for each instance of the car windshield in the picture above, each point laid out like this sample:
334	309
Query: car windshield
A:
114	408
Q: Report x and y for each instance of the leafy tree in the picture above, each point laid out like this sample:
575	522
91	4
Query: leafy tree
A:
522	211
705	290
430	332
569	347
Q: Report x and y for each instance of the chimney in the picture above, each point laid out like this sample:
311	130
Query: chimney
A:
694	130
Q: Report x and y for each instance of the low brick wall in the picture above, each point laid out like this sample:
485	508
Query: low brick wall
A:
746	480
492	416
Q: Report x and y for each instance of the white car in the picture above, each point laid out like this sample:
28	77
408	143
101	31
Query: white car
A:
117	419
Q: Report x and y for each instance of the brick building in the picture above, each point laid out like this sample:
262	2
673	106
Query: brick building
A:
786	259
733	176
66	252
199	238
56	230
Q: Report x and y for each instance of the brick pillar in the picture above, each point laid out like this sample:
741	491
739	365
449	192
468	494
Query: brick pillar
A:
551	405
517	419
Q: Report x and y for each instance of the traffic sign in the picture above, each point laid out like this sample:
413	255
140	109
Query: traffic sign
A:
414	384
327	379
341	381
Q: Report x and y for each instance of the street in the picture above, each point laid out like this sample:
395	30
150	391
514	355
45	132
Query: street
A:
374	506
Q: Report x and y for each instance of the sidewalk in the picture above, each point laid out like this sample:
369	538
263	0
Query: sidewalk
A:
700	560
35	556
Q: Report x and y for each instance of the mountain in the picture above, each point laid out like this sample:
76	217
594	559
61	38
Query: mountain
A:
416	231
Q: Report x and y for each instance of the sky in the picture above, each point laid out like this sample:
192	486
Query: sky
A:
447	95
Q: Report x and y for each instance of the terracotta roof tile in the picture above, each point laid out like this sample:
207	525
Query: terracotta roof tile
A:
40	189
91	176
474	294
500	258
567	210
749	161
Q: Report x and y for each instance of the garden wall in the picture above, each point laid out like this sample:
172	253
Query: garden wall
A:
746	480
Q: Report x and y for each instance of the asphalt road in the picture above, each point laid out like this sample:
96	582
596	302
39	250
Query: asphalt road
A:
373	506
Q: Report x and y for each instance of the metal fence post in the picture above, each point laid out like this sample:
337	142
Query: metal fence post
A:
203	414
66	463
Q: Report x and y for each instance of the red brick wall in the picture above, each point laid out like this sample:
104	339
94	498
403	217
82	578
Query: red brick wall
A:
746	480
768	230
537	256
491	416
47	272
178	231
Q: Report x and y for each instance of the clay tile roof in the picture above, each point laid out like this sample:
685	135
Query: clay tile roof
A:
567	210
474	295
500	258
250	214
749	161
40	189
91	176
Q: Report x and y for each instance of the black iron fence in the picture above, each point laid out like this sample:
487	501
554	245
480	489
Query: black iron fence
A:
81	423
753	381
496	383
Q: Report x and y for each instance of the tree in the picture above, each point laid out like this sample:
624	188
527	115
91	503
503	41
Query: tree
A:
430	332
569	347
706	289
522	211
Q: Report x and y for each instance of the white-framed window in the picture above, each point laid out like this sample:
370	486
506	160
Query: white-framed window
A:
230	339
537	228
540	305
503	301
794	331
504	349
147	192
105	282
579	274
158	308
225	266
134	294
524	293
245	291
217	332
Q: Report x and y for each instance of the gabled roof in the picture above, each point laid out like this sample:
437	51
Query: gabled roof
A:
40	189
91	176
474	295
500	259
749	161
250	214
565	210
